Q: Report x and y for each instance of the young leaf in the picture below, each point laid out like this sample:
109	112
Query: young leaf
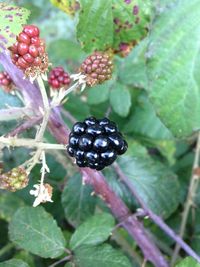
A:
173	67
188	262
14	263
77	201
11	20
103	255
93	231
35	230
95	27
120	100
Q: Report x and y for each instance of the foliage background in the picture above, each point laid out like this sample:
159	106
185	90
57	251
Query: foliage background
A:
154	99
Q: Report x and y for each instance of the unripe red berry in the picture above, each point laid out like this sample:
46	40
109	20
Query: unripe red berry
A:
58	78
35	41
97	68
33	51
24	38
28	53
22	48
31	30
6	82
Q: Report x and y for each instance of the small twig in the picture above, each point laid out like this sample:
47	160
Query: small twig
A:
29	143
25	126
6	248
66	114
126	247
15	113
46	109
157	220
67	258
190	197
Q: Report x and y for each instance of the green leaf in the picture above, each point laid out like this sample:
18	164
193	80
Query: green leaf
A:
188	262
145	122
173	68
155	183
104	24
120	100
14	263
132	69
77	201
99	94
130	20
94	231
9	203
99	256
95	27
11	20
35	230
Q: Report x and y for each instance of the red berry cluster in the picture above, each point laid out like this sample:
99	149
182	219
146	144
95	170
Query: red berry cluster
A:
28	53
5	81
97	68
58	78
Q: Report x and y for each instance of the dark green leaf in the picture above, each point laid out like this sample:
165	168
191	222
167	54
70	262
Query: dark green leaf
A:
35	230
132	70
144	121
9	203
173	67
99	94
93	231
120	100
99	256
77	201
14	263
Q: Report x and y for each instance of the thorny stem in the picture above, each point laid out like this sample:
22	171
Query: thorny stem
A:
190	197
157	220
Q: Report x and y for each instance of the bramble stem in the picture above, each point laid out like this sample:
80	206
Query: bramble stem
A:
194	182
157	220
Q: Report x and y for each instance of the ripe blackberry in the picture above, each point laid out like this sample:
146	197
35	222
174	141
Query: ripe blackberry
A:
58	78
97	68
28	53
95	143
6	81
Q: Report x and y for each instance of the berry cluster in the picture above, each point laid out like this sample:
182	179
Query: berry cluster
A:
97	68
28	53
6	82
58	78
15	179
96	143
